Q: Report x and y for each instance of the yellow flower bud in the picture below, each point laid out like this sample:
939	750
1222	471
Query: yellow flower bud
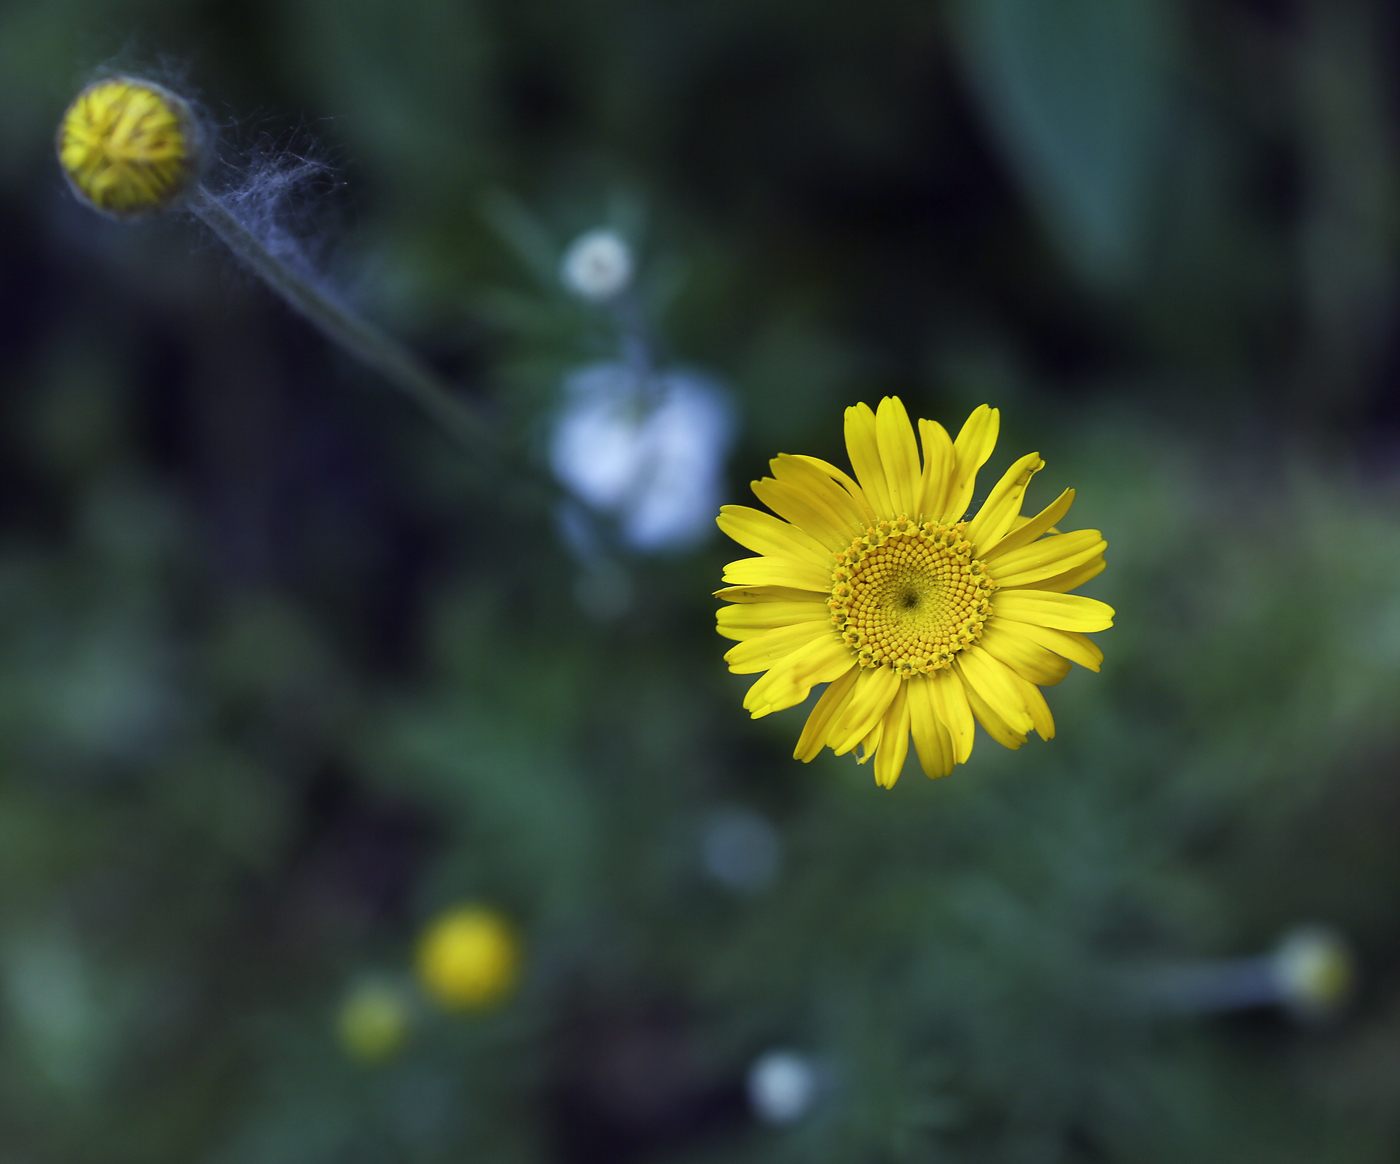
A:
129	148
468	958
373	1023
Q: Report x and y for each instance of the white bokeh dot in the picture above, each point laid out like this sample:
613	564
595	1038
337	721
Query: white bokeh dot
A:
782	1086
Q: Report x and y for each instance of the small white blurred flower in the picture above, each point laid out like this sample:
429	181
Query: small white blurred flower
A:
740	849
647	453
782	1086
597	266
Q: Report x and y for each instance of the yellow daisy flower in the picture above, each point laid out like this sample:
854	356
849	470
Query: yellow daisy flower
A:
918	618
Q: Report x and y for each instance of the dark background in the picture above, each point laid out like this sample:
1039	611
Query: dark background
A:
283	672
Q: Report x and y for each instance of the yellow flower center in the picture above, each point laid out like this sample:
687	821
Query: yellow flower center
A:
909	596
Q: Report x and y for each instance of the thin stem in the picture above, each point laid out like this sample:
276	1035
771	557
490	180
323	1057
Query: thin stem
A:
347	327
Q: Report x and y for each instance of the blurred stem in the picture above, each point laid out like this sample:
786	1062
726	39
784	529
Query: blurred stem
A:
348	328
638	349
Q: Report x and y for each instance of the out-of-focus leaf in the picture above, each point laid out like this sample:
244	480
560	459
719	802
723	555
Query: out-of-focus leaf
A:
1078	93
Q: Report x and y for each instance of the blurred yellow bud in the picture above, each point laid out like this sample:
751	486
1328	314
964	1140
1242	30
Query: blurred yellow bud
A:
128	147
373	1023
468	957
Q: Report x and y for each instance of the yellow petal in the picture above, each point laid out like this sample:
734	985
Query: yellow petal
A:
875	688
770	535
1025	530
788	681
1004	502
932	741
801	474
1071	612
765	649
974	445
1060	583
749	619
950	701
863	447
845	480
764	594
993	724
938	470
1027	659
1073	646
899	454
871	743
894	741
1049	557
804	510
1035	704
992	681
800	575
833	700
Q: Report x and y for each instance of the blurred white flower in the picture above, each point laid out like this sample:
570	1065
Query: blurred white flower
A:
647	452
740	849
597	266
782	1086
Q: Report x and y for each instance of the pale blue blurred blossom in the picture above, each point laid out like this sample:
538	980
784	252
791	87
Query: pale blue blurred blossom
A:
782	1086
646	451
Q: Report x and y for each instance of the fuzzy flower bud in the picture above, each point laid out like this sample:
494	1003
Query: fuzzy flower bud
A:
597	266
129	148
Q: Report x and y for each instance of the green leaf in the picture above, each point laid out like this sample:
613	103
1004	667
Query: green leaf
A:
1077	93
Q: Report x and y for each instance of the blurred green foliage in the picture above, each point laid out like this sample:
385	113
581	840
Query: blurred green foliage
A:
282	674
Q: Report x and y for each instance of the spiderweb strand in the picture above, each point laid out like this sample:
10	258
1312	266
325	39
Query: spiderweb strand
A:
346	327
